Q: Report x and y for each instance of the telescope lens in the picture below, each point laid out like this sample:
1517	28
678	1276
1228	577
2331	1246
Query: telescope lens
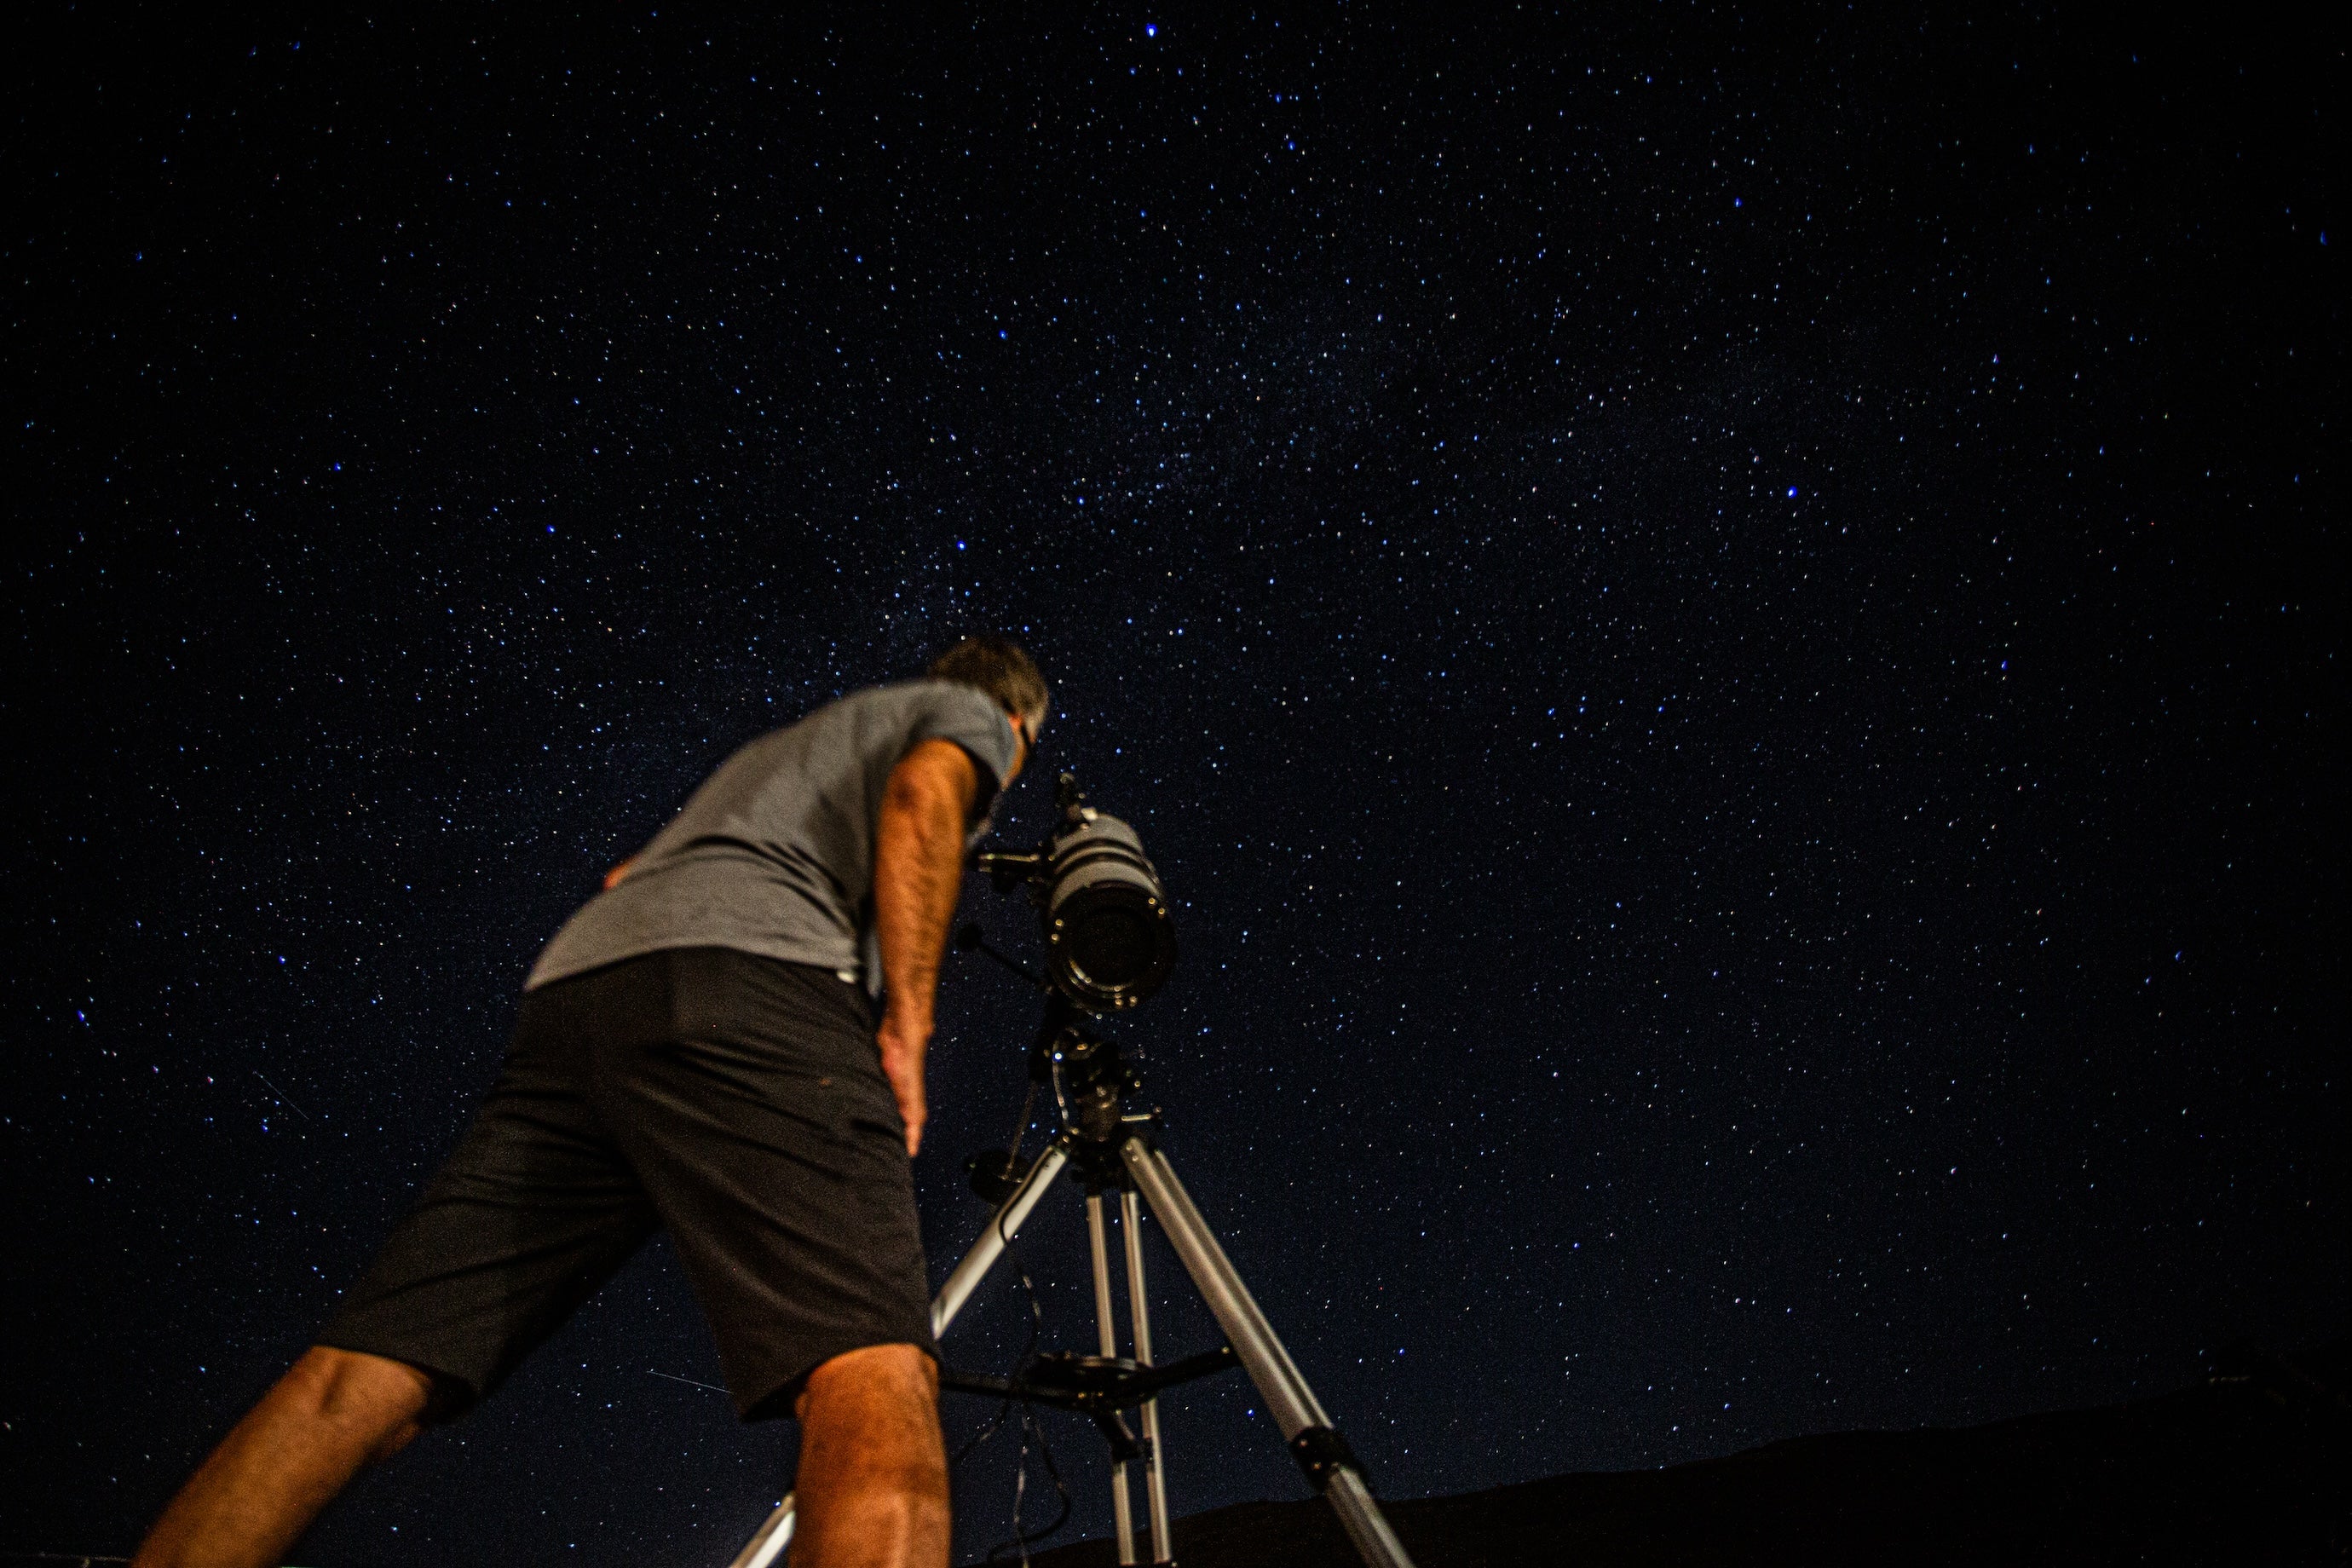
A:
1107	924
1113	944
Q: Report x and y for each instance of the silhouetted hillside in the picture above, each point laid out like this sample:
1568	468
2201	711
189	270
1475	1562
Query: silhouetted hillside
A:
2248	1468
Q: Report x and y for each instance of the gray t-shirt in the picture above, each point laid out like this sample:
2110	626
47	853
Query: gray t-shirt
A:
774	854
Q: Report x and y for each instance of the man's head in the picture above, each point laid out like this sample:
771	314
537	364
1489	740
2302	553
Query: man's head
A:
998	666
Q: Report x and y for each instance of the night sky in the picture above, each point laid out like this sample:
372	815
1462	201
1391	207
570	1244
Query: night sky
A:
1721	628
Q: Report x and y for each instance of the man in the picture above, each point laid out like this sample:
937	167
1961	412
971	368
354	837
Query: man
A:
696	1049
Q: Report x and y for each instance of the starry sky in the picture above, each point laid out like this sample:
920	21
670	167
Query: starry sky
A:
1719	626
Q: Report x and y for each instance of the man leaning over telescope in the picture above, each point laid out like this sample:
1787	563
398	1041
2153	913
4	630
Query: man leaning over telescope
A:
696	1050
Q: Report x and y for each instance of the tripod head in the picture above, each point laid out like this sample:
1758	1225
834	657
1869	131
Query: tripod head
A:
1092	1081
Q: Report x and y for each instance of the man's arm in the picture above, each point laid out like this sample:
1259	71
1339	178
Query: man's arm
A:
917	871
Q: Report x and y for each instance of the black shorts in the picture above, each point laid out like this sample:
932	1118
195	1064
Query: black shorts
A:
736	1101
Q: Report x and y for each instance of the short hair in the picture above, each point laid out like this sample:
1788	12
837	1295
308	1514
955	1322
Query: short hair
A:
998	666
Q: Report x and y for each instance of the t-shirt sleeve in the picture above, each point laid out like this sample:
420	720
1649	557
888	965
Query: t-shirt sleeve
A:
967	717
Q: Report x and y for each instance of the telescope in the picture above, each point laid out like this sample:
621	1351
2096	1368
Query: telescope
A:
1110	943
1110	938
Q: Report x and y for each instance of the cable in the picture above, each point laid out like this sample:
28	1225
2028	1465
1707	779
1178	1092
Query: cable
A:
1022	1541
1028	1351
1032	1429
1021	1128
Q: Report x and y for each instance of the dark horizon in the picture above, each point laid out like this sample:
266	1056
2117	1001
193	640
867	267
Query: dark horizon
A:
1720	630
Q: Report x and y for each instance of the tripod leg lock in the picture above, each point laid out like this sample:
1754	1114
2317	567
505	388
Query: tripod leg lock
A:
1124	1445
1322	1453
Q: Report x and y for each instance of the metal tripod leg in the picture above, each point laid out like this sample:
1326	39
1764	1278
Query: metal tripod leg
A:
768	1545
1319	1451
1122	1522
1001	1229
1130	1230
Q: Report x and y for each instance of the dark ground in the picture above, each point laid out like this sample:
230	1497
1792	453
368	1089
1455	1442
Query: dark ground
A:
2249	1468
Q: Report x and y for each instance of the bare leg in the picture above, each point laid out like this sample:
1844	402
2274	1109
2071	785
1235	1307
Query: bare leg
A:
334	1412
873	1481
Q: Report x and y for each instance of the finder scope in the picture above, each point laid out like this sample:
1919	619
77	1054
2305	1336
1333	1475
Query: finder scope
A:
1110	938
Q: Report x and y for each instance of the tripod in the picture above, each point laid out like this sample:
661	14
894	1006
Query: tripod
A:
1117	1150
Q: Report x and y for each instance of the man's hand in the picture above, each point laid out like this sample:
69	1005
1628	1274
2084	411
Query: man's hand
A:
903	1040
917	871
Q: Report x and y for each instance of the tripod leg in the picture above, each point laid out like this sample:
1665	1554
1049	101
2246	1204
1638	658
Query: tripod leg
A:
1321	1452
991	1246
1122	1522
1131	1227
766	1546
